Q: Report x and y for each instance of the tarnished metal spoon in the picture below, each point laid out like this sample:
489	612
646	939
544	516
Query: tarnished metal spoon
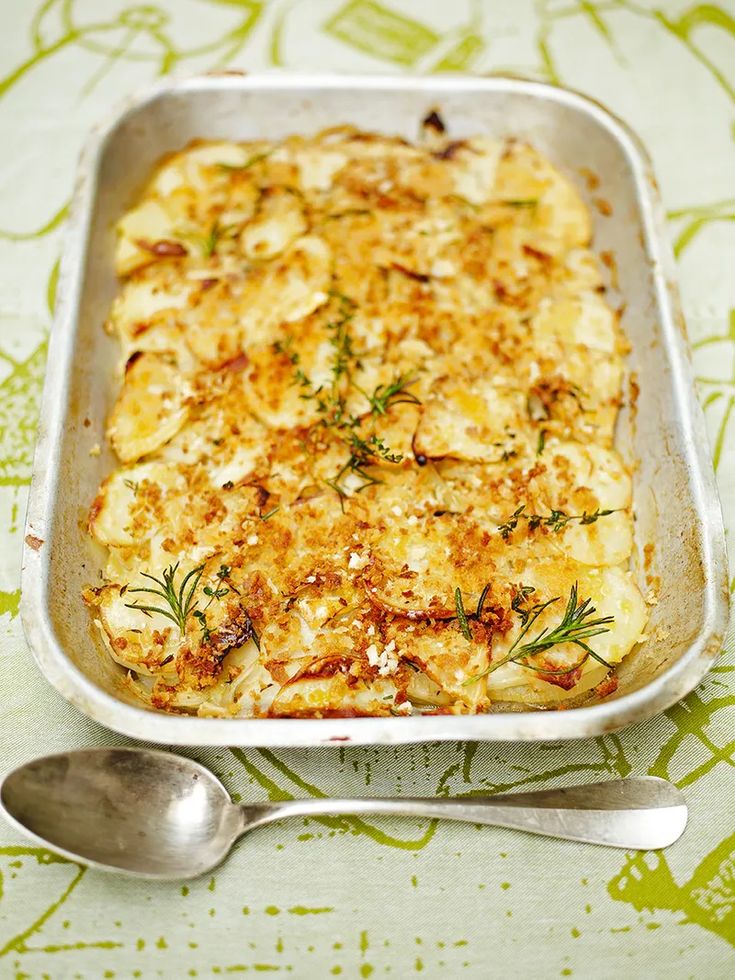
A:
159	815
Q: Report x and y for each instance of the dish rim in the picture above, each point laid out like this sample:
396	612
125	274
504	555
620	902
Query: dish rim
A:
673	683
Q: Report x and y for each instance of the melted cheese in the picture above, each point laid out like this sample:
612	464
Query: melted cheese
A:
364	383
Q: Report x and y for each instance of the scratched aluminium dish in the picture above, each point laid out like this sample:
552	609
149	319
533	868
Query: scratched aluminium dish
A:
679	557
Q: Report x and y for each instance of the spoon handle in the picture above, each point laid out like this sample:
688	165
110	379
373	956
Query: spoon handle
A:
636	813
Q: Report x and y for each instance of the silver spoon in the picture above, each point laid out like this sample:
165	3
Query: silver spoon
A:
158	815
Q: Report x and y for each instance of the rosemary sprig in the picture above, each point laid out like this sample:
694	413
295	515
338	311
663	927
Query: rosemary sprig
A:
180	601
575	627
462	615
556	520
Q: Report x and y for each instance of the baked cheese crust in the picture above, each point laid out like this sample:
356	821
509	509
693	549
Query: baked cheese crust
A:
368	393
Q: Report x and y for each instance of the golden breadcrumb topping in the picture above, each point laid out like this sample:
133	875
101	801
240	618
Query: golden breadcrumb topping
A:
365	434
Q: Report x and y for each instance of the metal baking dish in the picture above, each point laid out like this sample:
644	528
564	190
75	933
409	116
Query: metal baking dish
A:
680	540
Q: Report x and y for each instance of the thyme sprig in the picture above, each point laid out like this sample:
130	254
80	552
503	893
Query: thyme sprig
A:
180	600
395	393
575	627
365	449
556	520
363	453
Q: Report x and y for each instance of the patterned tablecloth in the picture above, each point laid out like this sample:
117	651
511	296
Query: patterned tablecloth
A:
342	896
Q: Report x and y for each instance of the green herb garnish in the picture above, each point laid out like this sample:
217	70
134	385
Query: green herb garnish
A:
526	202
518	603
395	393
202	619
256	158
575	627
462	615
363	453
207	244
481	601
347	213
331	400
216	232
556	520
215	593
180	601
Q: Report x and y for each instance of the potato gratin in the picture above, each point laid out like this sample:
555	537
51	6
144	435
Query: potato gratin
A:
365	434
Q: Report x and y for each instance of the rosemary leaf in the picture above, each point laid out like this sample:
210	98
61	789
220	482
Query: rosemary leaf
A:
481	601
528	202
462	615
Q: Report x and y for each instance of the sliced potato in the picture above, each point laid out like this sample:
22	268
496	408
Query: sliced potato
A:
560	213
279	221
140	641
470	419
586	319
252	313
408	566
335	687
146	234
150	409
128	494
448	660
474	166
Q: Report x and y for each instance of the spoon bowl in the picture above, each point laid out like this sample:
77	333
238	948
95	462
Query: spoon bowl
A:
158	815
149	813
